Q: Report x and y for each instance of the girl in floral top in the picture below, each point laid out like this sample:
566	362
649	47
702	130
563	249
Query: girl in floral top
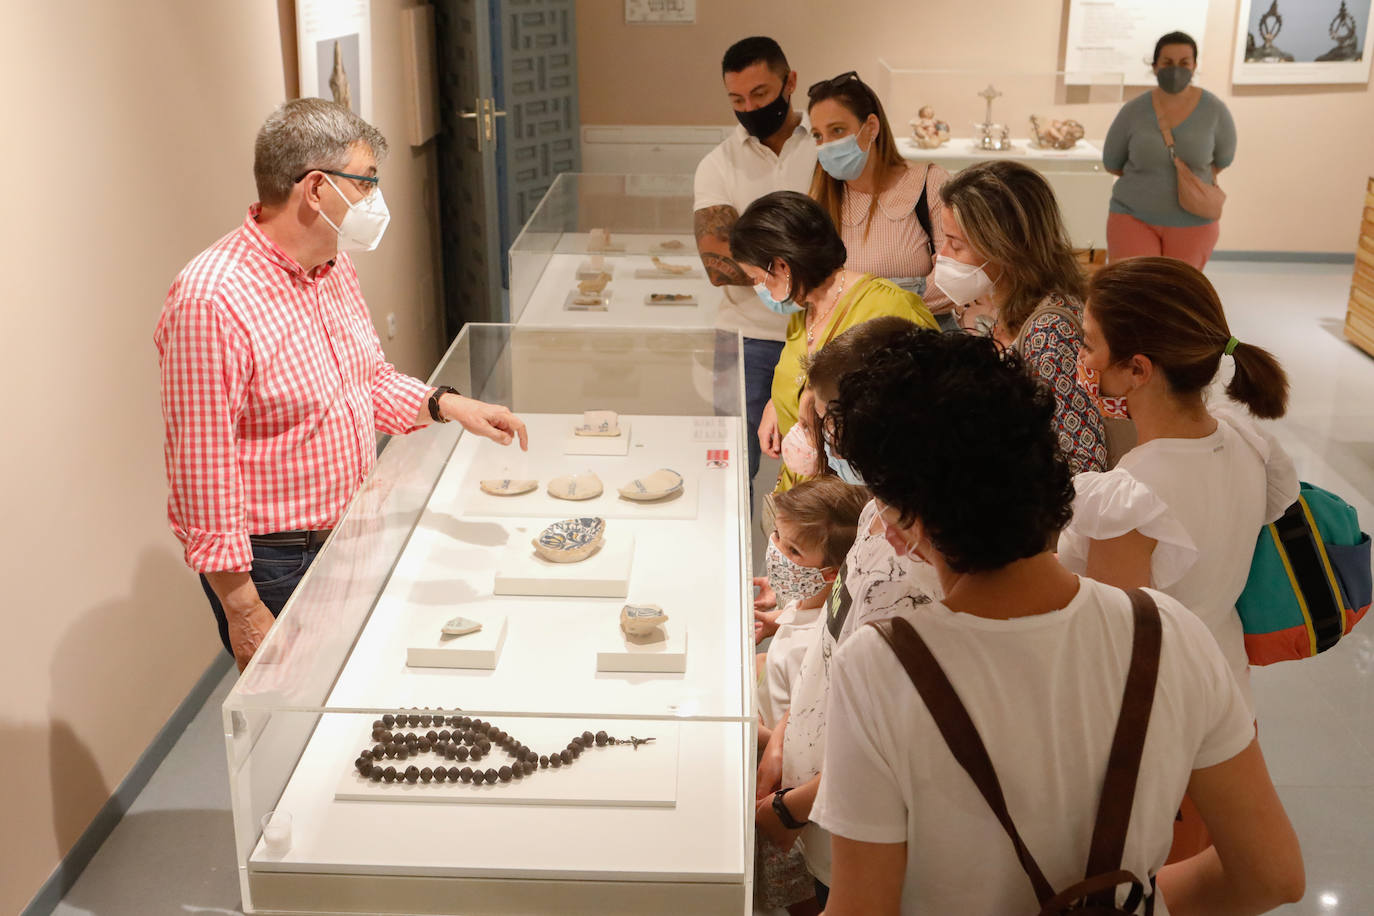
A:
1007	261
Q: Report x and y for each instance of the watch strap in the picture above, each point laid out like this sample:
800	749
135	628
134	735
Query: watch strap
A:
434	397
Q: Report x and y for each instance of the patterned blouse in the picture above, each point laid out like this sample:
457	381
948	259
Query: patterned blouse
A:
1049	342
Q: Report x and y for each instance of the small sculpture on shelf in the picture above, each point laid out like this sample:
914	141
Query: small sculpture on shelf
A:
1060	135
928	131
990	135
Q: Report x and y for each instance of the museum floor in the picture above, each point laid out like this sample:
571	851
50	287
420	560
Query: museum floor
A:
173	851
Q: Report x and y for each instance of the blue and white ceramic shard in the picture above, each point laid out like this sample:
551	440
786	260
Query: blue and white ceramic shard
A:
570	540
658	485
641	619
598	423
507	487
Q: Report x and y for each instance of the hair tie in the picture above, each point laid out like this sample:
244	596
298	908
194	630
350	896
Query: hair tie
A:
1231	346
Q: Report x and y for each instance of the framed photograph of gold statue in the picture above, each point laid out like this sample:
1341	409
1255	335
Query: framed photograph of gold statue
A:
1302	42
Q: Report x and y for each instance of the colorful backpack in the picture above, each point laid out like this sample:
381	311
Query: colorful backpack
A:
1309	582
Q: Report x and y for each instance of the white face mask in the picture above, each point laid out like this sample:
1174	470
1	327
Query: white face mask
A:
363	224
790	580
961	282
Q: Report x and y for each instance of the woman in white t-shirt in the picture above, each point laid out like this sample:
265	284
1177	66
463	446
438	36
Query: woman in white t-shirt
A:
1180	512
1183	508
970	477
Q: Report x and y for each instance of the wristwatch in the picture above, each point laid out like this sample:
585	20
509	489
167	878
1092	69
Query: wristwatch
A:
780	809
434	402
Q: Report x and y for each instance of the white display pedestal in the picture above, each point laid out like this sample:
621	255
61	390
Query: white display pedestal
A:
599	445
475	650
605	574
663	655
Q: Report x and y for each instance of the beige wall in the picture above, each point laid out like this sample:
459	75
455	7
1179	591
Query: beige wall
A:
129	132
1296	185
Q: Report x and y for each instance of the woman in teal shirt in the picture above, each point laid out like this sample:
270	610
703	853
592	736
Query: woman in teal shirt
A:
1145	217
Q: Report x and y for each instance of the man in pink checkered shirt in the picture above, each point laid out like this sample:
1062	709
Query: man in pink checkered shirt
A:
273	379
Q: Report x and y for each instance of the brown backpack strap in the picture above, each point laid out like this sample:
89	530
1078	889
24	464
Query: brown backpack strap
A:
959	732
1123	763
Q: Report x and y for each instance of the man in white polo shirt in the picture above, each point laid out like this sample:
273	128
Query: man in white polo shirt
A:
771	150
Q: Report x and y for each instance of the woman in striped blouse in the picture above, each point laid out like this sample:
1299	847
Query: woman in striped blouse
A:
887	210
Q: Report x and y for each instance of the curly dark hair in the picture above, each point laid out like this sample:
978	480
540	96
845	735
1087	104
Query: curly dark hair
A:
953	431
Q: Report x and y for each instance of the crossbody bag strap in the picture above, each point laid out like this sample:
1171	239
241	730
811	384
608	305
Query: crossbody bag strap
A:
1060	310
1163	127
960	734
1128	744
923	212
851	297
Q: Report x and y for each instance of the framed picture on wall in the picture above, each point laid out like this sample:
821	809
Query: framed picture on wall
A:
1292	42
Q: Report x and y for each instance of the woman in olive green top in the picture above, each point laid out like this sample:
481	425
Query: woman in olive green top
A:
787	244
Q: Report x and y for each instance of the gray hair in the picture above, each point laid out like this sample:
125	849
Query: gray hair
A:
305	134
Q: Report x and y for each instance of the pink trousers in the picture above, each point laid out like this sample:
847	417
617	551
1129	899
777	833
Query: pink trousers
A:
1128	237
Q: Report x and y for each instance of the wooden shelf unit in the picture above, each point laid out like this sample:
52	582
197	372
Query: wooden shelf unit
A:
1359	318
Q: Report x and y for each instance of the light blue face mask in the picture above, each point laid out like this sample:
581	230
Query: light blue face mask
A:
842	159
842	468
781	306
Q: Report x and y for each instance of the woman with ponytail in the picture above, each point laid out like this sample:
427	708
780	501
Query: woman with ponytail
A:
1182	509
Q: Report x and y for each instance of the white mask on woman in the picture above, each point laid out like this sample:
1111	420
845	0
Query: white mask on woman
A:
961	282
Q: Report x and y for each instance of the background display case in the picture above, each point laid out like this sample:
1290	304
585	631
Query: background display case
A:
616	225
658	828
1081	183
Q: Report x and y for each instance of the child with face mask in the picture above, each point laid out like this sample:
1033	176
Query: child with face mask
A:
815	523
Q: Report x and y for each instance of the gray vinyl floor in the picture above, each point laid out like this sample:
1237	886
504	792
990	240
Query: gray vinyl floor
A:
173	852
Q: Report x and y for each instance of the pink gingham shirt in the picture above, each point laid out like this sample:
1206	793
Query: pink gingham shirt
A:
273	381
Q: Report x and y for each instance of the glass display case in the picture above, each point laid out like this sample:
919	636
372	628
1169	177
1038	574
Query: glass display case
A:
981	115
444	529
611	251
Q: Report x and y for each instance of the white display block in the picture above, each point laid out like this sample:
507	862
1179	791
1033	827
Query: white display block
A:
599	445
665	654
605	777
605	574
475	650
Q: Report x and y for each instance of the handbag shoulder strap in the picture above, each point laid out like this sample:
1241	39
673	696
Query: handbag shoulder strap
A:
851	298
923	211
960	734
1128	744
1163	126
1123	762
1060	310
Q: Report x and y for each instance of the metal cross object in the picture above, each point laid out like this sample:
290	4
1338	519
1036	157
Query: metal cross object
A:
989	93
633	741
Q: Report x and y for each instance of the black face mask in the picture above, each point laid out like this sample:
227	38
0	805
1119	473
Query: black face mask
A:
764	122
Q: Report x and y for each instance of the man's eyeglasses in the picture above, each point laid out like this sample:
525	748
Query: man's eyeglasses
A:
369	181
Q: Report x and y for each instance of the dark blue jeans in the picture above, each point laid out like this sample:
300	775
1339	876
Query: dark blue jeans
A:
277	570
822	893
760	359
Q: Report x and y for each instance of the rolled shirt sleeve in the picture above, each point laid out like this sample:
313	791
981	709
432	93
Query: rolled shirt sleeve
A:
397	398
205	364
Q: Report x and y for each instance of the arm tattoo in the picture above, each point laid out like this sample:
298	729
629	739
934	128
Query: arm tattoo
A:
723	271
714	222
712	226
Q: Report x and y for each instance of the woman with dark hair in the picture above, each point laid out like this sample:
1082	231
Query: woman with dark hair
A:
1008	255
887	210
789	248
970	477
1145	217
1182	509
